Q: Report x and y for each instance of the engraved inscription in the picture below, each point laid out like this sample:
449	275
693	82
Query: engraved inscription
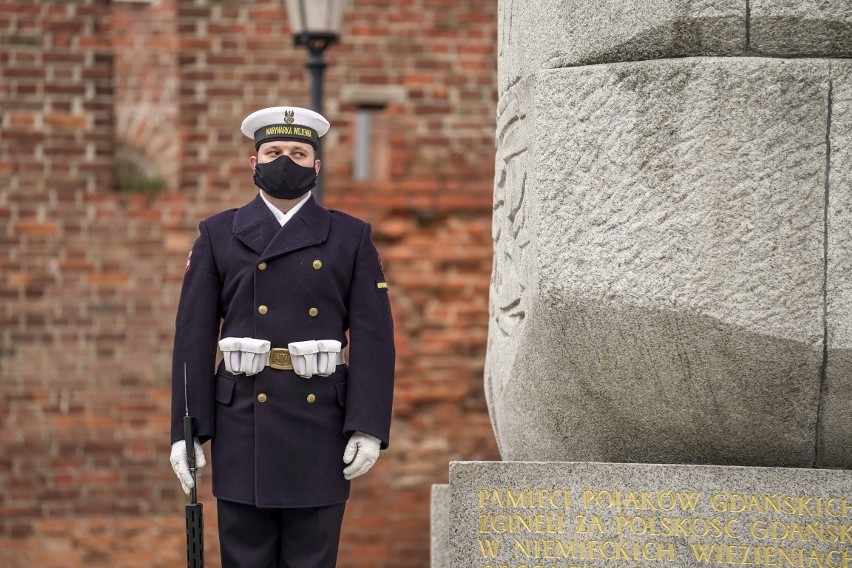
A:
553	527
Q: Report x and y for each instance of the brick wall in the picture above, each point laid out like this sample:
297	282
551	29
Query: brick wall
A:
93	93
146	105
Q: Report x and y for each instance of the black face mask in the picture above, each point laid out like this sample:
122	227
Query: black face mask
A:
284	179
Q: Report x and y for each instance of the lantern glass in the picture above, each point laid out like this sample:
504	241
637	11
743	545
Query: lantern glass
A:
315	16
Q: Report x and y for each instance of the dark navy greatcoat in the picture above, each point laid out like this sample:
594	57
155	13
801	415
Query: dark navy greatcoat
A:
288	450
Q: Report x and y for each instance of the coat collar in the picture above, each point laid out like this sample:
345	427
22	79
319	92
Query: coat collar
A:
256	227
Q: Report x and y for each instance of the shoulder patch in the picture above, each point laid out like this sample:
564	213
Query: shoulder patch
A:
188	258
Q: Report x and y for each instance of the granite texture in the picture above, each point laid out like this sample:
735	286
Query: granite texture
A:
440	531
609	515
514	275
548	34
658	291
692	183
801	27
836	410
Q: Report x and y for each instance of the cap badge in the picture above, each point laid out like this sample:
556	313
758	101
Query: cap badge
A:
288	116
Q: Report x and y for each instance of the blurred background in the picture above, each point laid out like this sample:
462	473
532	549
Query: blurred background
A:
119	131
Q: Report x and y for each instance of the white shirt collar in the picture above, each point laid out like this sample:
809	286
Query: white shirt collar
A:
280	216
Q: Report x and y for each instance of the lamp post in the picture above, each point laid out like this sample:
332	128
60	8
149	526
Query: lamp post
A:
316	25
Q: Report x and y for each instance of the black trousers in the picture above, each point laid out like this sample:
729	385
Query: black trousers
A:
253	537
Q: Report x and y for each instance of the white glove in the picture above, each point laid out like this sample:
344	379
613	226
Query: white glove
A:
180	463
254	355
361	453
231	354
327	356
304	357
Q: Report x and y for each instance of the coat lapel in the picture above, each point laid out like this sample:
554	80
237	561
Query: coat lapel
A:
309	227
255	225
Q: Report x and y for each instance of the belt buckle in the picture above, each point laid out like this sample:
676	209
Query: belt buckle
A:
279	358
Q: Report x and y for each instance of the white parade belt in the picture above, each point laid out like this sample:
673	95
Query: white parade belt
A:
307	358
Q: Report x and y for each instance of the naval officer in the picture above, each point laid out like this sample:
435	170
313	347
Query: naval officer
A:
281	286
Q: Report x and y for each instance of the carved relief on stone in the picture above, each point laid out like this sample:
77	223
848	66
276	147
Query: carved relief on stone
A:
513	273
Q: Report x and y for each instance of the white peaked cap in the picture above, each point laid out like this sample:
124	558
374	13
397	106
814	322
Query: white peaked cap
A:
285	123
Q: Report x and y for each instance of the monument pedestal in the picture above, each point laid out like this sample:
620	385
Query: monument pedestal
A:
440	549
615	515
671	284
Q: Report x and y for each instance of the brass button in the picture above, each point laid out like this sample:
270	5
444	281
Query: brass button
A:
261	266
261	397
312	398
262	309
317	264
313	312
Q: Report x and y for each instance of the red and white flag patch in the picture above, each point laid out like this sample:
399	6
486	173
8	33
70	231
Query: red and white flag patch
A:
188	258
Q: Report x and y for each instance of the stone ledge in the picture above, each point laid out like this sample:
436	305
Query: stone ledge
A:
548	35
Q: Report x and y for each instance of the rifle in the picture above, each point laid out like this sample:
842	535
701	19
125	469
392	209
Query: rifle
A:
194	509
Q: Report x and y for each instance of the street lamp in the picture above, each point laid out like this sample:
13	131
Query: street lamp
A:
316	25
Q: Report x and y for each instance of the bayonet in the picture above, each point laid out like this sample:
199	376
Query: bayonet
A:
185	397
